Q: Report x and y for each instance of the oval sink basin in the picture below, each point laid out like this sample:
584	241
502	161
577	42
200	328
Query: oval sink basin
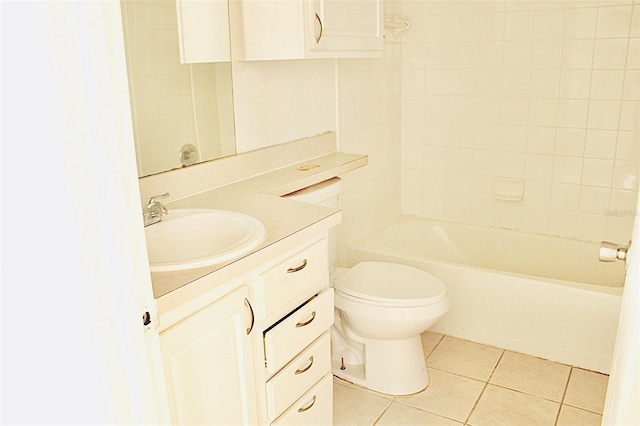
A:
192	238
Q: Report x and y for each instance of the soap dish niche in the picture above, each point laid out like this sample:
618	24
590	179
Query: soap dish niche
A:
508	189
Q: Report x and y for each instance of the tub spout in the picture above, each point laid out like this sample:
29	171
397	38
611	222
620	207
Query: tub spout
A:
610	252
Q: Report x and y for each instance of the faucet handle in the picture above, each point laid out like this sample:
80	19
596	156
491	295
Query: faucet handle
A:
154	198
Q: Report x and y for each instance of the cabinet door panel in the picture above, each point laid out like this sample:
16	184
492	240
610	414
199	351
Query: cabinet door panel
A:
207	363
347	25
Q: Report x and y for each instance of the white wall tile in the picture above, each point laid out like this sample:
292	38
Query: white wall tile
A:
570	142
541	140
613	21
577	54
542	112
537	193
538	167
579	23
607	84
575	84
572	113
633	54
610	53
543	91
628	147
518	25
630	116
535	220
545	84
567	169
603	114
563	224
625	174
631	89
591	227
600	144
597	172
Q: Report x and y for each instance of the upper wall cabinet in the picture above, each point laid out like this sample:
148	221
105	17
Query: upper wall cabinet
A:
295	29
203	31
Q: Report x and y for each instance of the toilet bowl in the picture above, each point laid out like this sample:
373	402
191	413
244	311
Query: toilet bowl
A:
381	309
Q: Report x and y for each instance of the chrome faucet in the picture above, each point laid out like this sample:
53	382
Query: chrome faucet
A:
154	210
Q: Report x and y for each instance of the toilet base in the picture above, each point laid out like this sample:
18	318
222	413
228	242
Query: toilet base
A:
393	367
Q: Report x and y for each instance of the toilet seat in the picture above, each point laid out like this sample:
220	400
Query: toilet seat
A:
390	284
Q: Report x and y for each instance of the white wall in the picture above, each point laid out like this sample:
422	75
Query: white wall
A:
75	276
281	101
542	91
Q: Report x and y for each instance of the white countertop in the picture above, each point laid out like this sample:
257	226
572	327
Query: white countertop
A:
288	223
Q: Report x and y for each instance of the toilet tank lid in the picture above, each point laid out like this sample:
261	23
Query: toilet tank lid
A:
391	282
318	192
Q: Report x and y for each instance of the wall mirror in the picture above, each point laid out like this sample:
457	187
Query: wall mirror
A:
181	100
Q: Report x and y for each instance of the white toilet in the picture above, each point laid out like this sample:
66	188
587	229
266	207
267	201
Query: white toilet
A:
380	311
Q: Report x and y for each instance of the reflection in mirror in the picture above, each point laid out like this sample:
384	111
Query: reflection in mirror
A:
177	108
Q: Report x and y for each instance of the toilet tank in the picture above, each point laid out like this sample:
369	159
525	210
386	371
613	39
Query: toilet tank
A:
324	194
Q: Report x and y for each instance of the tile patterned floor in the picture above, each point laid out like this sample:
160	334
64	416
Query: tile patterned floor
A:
479	385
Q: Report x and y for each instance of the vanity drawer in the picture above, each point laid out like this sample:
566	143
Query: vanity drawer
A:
297	278
287	338
314	408
301	373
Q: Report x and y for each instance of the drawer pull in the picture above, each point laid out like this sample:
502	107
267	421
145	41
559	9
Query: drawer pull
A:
303	370
307	322
299	268
303	409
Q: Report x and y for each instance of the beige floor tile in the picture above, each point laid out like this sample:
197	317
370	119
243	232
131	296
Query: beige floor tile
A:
535	376
587	390
400	414
429	341
465	358
499	406
570	416
447	395
354	406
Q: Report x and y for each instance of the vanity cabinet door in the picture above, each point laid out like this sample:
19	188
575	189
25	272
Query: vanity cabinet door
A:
207	361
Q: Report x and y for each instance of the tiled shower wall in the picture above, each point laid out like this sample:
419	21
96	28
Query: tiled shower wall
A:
369	123
545	93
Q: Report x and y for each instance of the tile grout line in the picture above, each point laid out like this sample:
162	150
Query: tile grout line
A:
486	383
564	395
382	414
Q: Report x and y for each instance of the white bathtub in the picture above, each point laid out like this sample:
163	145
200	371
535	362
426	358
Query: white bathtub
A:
538	295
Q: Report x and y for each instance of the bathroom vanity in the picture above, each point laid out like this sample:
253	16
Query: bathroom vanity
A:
247	341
